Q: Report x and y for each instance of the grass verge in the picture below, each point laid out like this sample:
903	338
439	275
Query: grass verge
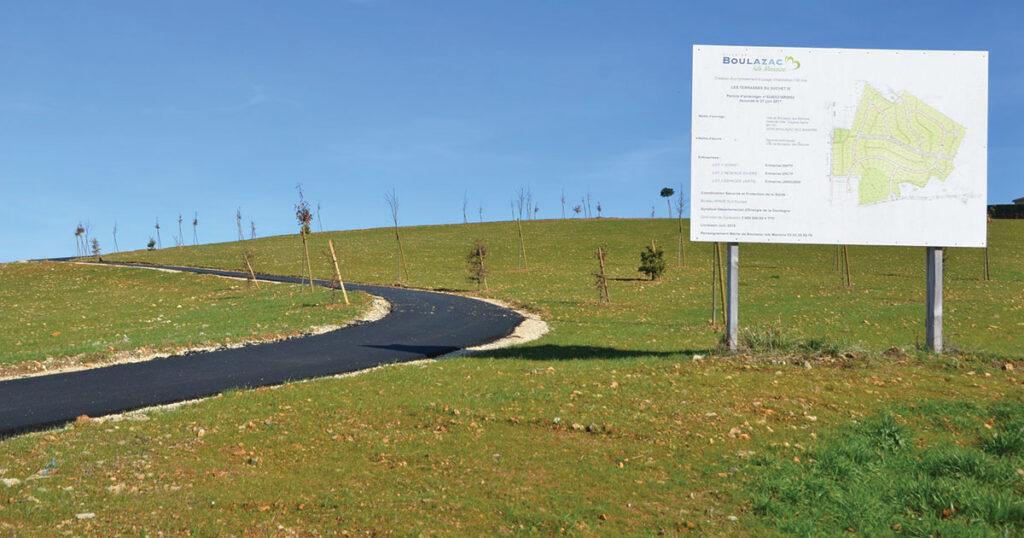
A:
59	315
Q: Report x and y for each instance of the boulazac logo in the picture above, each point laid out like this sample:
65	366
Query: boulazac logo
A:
787	63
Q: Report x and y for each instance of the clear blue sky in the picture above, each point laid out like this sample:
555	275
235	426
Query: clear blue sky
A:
131	111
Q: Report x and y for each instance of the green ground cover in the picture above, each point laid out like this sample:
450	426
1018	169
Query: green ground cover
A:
77	314
609	425
482	446
788	290
892	473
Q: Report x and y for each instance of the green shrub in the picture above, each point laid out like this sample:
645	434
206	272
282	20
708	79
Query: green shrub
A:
652	261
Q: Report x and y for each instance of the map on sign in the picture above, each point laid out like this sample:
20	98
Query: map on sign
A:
839	146
894	141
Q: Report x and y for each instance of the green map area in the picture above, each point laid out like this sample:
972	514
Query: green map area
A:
894	142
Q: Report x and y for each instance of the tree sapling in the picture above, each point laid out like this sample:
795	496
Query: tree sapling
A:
652	261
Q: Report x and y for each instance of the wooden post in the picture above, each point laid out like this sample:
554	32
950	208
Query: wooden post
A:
483	268
679	248
988	221
846	262
933	337
732	310
251	273
337	271
522	244
602	279
988	276
721	282
309	268
714	283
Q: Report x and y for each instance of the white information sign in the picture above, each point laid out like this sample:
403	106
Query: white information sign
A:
839	146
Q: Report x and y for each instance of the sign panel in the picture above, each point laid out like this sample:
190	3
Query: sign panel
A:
839	146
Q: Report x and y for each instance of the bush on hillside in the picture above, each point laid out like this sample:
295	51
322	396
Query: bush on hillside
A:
652	261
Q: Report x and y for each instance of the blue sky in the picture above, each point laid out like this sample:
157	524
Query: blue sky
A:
129	112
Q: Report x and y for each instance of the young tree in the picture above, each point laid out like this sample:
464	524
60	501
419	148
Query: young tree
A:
667	193
95	247
599	210
180	240
151	245
476	264
536	209
576	210
563	204
520	201
79	242
85	242
116	249
159	244
238	220
465	202
652	212
392	199
652	261
590	214
304	216
319	223
252	225
481	212
195	229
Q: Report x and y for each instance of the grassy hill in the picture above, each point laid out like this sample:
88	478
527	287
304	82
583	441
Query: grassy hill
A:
610	425
789	294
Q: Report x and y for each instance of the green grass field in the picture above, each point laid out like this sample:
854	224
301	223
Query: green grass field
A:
59	315
787	292
606	426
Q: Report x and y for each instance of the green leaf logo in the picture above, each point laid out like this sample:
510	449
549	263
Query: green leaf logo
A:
790	59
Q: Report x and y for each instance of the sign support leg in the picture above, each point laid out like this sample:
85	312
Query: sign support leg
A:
733	285
934	302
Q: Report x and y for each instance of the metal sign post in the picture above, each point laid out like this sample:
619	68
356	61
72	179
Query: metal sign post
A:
933	338
733	288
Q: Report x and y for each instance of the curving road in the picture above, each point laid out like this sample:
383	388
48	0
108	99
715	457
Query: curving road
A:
421	324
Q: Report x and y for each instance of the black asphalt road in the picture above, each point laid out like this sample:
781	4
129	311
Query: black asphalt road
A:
421	324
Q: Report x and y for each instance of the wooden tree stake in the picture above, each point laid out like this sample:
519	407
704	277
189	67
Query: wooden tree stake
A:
714	283
602	280
252	274
483	268
846	263
721	282
522	244
337	271
309	268
679	252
